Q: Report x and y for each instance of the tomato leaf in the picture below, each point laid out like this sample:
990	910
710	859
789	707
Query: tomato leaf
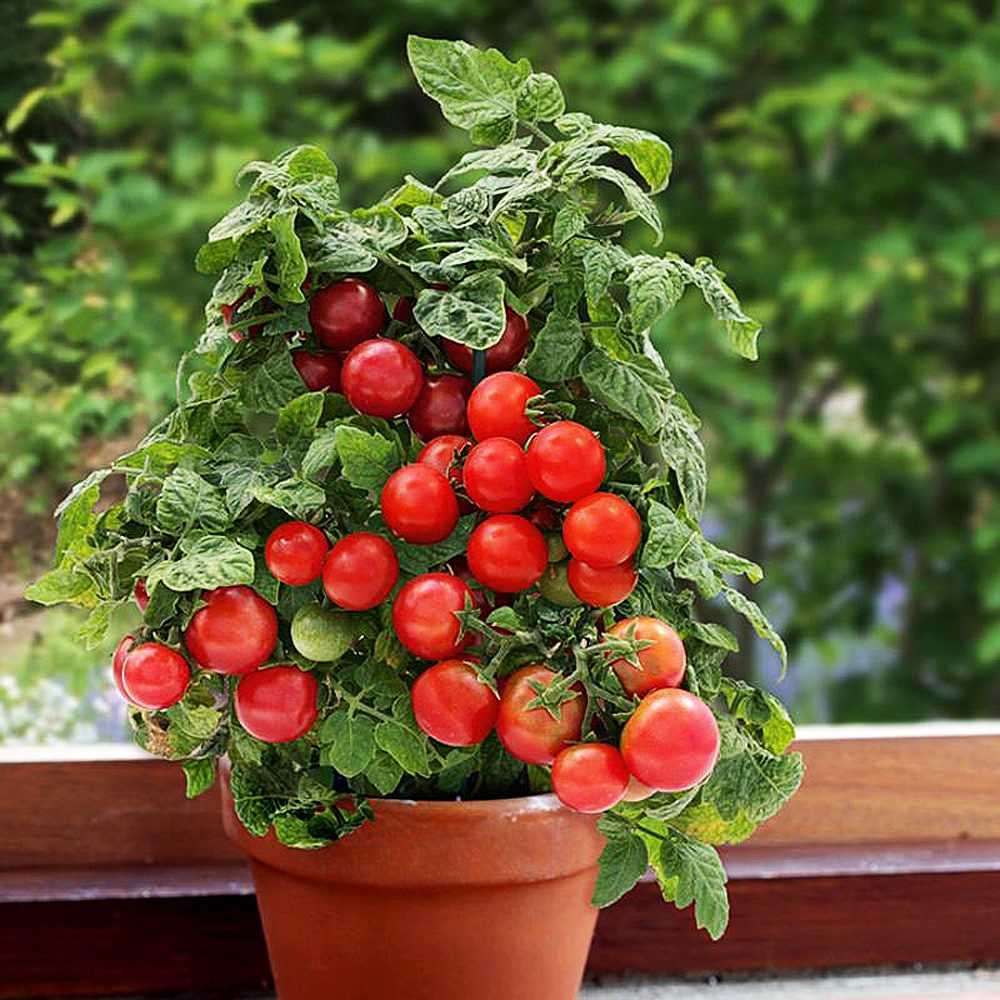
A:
622	863
471	313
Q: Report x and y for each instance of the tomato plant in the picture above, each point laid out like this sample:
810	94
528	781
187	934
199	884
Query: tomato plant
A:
295	552
452	705
503	355
277	705
440	407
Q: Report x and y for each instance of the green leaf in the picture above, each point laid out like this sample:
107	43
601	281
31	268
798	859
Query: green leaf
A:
636	199
601	262
408	747
384	772
654	286
751	611
76	521
635	387
93	631
478	250
18	115
187	501
349	742
288	255
689	872
64	583
557	348
321	454
729	562
570	220
199	776
416	559
271	384
685	454
213	561
623	862
300	418
754	786
742	330
540	99
667	539
300	499
367	459
471	313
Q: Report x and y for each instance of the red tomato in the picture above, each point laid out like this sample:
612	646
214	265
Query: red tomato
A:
277	705
419	505
453	706
503	355
155	676
295	552
440	407
140	595
234	633
543	517
402	311
382	378
320	370
496	476
507	553
602	530
440	454
565	461
671	742
118	662
601	587
532	734
360	571
496	407
423	615
346	313
662	663
590	777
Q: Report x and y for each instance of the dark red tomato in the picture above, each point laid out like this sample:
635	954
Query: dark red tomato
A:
295	552
118	662
423	615
140	595
662	664
360	571
601	587
320	370
671	742
440	454
590	777
402	311
507	553
496	407
440	407
277	705
532	734
234	633
382	378
453	706
565	461
602	530
496	476
346	313
155	676
503	355
543	517
419	505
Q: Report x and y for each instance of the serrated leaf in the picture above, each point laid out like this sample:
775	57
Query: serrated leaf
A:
384	772
654	286
556	351
634	387
271	384
635	198
199	776
689	872
367	459
348	742
406	746
570	220
751	611
214	561
64	583
742	330
667	538
187	501
752	785
623	862
540	99
93	631
471	313
288	256
684	452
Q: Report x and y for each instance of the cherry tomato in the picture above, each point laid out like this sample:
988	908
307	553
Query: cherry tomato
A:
440	407
140	595
503	355
346	313
382	378
360	571
440	454
542	516
295	552
636	791
507	553
423	615
453	706
496	476
671	742
565	461
532	734
118	662
601	587
155	676
602	530
496	407
402	311
319	370
234	633
555	588
419	505
590	777
662	663
277	705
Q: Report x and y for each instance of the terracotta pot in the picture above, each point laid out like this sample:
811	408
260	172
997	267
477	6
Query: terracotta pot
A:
432	901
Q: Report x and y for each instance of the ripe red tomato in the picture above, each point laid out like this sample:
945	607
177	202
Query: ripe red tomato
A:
440	454
532	734
155	676
320	370
118	662
295	552
507	553
419	505
360	571
565	461
402	311
440	407
277	705
453	706
382	378
602	530
496	407
423	615
496	476
234	633
503	355
671	742
140	595
662	663
590	777
601	587
346	313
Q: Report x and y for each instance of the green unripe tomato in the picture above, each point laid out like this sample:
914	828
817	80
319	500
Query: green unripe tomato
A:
555	587
323	634
557	547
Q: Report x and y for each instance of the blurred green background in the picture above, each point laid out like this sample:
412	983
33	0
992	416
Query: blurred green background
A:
838	159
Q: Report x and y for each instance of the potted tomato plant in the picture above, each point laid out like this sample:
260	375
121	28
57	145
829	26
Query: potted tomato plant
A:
419	560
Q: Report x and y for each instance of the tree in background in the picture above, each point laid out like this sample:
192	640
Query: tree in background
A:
842	158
